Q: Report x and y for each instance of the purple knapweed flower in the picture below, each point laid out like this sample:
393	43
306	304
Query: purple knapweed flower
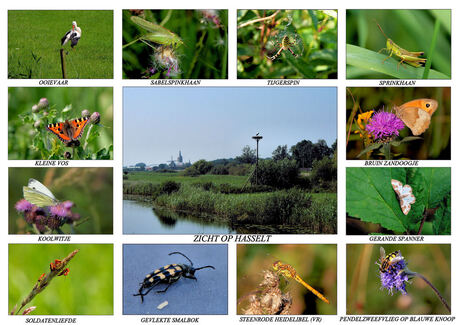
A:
44	219
23	205
59	210
384	125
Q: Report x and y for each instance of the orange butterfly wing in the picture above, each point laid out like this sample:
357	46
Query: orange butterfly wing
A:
416	114
78	125
69	130
61	131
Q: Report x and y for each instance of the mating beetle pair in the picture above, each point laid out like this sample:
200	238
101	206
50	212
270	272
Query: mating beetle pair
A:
168	274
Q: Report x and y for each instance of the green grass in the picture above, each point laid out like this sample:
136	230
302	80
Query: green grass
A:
87	290
35	54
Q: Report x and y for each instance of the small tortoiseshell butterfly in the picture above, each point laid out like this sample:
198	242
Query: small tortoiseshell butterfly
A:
69	131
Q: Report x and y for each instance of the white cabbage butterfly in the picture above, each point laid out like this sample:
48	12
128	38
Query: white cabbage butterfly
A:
38	194
405	196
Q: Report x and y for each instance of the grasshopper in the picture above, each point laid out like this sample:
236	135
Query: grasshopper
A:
157	34
411	58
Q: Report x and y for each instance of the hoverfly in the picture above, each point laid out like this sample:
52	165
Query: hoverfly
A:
289	272
387	262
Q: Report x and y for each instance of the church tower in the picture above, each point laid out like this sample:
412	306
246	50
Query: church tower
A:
180	159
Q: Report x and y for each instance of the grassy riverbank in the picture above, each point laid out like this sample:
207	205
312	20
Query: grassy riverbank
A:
224	197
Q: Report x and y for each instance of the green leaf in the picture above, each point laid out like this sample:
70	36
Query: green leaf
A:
371	147
442	216
371	198
437	184
406	139
371	61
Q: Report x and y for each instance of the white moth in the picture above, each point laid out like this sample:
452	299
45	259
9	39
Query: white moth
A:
405	196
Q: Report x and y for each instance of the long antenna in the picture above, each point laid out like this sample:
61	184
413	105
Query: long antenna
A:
191	263
381	29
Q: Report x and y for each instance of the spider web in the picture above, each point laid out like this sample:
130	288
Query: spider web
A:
275	40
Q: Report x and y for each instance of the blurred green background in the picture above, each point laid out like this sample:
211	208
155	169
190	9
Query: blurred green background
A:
21	99
410	29
364	293
204	55
91	190
436	139
317	30
86	290
315	264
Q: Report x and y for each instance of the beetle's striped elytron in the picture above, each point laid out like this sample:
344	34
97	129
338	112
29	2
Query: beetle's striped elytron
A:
285	44
387	262
289	272
168	274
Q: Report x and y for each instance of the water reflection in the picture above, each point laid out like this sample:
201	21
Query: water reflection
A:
141	218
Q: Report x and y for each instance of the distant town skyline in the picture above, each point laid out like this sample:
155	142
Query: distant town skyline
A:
217	122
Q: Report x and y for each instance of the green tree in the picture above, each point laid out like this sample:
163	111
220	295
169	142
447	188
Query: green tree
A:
141	165
248	155
302	152
280	153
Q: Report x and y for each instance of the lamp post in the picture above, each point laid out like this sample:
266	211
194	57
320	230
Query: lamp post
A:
257	137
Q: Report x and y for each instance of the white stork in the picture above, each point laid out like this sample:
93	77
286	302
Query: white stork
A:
73	35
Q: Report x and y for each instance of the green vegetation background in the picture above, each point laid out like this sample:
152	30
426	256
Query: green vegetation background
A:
21	100
319	60
364	293
91	189
436	139
34	40
410	29
204	55
86	290
315	264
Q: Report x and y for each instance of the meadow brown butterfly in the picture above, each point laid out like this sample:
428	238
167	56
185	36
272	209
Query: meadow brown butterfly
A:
416	114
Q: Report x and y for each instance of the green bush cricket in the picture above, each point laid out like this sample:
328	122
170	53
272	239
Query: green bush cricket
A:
411	58
157	34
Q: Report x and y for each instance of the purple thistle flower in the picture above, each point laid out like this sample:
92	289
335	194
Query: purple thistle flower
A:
384	124
40	223
395	276
54	222
59	210
23	205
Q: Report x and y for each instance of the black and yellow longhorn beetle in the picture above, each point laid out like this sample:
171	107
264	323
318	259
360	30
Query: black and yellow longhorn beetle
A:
168	274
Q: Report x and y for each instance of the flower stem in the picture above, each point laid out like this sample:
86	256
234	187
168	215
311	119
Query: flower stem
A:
87	136
444	302
387	151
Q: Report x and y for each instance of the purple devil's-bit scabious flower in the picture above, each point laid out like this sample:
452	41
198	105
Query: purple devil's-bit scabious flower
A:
384	125
395	277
